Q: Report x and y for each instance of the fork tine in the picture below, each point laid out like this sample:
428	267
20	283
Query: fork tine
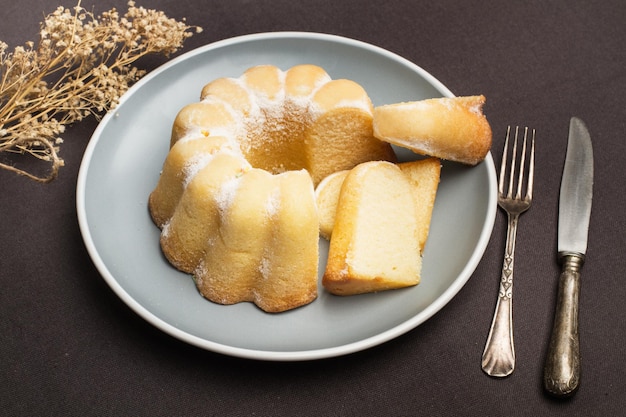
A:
531	169
503	163
522	163
513	161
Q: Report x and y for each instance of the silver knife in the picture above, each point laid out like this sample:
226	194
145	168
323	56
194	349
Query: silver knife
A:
561	376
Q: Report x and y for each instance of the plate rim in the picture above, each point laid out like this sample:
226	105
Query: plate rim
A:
299	355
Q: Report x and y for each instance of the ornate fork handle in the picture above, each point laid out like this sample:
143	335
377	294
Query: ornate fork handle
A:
499	354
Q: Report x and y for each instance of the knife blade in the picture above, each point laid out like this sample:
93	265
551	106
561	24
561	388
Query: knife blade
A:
561	375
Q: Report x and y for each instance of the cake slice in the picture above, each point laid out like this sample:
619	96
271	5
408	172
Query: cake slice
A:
326	197
451	128
424	175
375	240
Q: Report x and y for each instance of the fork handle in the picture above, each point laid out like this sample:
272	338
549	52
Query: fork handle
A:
499	355
561	375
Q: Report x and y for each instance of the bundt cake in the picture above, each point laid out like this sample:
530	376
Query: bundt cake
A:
451	128
235	197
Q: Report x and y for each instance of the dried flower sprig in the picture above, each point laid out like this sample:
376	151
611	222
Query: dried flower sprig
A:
81	66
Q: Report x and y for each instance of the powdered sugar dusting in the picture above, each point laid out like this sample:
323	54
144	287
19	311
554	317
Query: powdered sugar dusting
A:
320	83
226	195
416	105
165	231
272	205
265	267
477	109
195	165
448	103
267	113
357	104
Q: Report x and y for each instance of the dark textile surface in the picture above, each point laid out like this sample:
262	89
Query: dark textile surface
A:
70	346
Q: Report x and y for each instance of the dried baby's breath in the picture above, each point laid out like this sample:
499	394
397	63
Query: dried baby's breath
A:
81	66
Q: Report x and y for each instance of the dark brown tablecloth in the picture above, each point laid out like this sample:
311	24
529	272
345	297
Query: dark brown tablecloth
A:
70	346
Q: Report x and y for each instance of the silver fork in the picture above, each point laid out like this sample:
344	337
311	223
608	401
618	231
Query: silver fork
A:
499	354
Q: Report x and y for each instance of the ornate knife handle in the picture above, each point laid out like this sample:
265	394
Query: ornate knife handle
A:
561	374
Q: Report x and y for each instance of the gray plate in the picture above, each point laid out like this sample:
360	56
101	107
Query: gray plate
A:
121	167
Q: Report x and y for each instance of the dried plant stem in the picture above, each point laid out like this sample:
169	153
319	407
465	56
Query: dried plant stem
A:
55	164
81	66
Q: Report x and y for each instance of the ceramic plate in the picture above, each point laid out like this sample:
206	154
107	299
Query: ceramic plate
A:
121	167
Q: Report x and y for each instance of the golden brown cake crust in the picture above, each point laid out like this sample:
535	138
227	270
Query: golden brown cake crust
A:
454	128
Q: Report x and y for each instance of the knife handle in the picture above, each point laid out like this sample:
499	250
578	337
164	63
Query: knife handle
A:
561	375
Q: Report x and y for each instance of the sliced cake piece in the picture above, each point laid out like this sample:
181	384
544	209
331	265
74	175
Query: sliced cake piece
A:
326	197
452	128
424	175
375	240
